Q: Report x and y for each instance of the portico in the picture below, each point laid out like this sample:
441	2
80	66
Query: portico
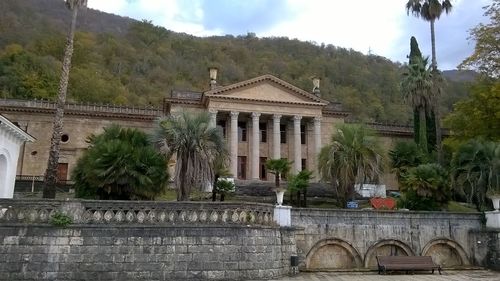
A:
266	118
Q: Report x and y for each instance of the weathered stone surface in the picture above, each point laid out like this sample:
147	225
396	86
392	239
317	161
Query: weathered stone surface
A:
107	252
335	238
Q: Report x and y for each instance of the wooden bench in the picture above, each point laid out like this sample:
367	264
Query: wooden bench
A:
406	263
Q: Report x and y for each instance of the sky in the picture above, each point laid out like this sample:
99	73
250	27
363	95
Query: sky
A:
377	27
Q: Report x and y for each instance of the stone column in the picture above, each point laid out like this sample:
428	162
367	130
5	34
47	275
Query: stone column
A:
297	147
213	118
255	145
276	137
317	144
233	145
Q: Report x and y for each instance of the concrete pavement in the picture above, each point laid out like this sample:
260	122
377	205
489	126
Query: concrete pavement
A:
465	275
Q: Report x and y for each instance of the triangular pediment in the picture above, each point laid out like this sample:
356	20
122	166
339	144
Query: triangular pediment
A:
265	88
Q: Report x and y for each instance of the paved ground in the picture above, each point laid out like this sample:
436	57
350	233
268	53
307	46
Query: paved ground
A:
469	275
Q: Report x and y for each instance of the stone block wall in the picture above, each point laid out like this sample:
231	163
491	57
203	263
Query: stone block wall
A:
139	240
41	252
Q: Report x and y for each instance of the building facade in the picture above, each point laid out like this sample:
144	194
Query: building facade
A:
11	139
261	118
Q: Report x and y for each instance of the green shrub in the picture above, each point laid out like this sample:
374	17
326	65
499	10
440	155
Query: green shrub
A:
60	219
120	164
425	187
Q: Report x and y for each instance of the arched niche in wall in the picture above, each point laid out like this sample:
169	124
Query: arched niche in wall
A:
446	252
386	247
333	253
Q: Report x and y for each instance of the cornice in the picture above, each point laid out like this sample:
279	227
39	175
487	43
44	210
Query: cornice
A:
15	130
94	114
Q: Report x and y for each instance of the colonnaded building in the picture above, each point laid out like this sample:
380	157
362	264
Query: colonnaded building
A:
261	118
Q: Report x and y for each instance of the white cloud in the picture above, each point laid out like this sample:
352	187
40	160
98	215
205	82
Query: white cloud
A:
360	25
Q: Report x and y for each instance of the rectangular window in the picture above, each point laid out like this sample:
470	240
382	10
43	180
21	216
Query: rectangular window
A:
304	165
263	132
221	125
303	134
263	171
283	133
242	167
242	131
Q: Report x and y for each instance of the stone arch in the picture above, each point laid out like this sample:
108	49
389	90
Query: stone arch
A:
333	253
386	247
4	172
446	252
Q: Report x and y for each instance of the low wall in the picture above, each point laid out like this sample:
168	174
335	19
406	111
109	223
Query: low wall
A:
486	248
142	241
351	239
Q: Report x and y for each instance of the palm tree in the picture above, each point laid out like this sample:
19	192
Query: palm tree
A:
404	156
278	167
353	155
476	170
429	10
197	146
49	188
120	163
417	89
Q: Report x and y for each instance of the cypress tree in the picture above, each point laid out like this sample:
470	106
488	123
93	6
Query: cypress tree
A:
429	116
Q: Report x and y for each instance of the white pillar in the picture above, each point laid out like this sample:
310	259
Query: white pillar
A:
213	118
233	147
255	145
276	137
297	147
317	144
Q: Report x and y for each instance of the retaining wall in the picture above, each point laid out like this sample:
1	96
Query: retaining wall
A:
142	241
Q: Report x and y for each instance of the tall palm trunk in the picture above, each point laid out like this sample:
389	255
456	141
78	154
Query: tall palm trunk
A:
183	192
436	97
433	45
438	131
49	188
422	129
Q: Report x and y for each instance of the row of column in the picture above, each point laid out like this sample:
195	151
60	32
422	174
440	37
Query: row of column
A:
255	148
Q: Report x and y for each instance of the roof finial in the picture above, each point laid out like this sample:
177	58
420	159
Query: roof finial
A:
213	77
315	90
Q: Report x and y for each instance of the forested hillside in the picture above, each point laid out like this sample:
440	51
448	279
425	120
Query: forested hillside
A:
120	60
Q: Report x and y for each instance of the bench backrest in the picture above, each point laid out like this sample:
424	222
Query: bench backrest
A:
404	260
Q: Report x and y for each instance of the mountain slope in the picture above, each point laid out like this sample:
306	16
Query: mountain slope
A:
120	60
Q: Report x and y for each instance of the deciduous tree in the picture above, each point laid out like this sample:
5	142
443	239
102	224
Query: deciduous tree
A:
486	56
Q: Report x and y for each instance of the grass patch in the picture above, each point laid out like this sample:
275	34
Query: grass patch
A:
167	195
461	207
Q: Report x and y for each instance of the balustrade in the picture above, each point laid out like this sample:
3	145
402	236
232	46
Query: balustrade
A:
107	108
136	212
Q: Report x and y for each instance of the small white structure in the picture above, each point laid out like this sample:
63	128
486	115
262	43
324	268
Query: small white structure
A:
11	139
367	190
282	215
493	218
